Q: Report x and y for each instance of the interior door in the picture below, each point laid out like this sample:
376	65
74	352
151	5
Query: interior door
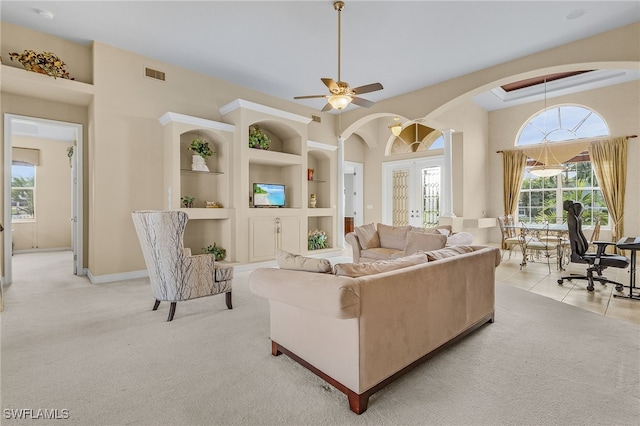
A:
412	190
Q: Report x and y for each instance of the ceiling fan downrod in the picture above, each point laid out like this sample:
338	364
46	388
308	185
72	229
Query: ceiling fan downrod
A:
338	6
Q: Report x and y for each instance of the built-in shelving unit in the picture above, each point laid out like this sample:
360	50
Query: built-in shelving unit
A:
206	225
248	233
322	159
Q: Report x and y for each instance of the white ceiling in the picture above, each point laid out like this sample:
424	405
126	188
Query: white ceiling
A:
283	48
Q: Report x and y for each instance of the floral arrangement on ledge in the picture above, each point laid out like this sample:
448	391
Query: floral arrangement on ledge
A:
42	63
317	240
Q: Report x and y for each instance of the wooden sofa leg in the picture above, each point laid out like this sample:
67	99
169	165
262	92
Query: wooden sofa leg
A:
274	349
172	311
358	402
155	305
228	300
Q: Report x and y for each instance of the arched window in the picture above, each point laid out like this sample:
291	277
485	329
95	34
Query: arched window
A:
541	197
562	123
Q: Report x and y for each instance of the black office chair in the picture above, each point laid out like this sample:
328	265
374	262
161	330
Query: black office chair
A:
598	261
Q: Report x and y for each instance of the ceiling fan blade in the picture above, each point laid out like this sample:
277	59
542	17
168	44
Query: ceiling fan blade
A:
362	102
327	107
310	96
331	84
367	88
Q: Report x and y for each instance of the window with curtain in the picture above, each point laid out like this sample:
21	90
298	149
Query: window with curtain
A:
541	198
23	185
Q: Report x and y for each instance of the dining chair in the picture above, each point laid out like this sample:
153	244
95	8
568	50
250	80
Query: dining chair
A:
534	247
509	235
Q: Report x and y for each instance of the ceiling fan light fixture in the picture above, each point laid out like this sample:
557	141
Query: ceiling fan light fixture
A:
339	101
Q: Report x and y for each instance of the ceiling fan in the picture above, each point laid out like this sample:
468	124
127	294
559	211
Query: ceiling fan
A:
341	95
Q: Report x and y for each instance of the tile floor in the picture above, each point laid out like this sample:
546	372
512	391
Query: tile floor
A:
535	277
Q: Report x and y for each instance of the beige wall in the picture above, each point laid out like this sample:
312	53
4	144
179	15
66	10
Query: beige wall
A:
52	227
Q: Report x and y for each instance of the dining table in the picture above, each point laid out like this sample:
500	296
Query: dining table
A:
556	234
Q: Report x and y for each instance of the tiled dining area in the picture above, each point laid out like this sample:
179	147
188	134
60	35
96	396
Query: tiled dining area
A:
535	277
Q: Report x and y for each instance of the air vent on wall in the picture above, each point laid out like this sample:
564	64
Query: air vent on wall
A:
316	118
151	73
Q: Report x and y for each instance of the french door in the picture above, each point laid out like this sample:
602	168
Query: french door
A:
412	192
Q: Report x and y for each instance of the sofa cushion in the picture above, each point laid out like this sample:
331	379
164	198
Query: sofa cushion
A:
380	253
447	252
440	229
394	237
367	236
356	270
296	262
418	241
460	239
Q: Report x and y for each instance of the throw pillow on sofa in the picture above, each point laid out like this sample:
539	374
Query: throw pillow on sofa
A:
355	270
418	241
447	252
286	260
393	237
367	236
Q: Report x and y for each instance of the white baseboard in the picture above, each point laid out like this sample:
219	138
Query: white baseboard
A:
123	276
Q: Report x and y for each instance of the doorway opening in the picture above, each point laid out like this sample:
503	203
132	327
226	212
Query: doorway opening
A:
41	134
353	199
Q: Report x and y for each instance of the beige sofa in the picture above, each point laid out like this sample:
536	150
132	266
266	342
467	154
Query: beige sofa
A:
361	333
373	242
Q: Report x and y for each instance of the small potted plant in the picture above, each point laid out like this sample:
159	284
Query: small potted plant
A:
218	252
187	202
202	152
258	139
317	240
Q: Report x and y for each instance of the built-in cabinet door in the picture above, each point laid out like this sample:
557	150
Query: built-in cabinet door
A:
262	234
290	234
268	233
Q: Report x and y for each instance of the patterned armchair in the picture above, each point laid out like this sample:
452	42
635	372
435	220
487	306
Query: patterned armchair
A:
174	273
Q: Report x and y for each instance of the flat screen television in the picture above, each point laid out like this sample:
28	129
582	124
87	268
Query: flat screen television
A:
268	195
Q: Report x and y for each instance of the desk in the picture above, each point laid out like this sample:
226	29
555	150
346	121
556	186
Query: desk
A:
633	244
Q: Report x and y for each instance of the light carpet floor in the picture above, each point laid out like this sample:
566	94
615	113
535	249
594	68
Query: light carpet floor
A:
99	352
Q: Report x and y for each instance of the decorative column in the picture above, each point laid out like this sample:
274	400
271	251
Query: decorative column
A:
340	194
446	209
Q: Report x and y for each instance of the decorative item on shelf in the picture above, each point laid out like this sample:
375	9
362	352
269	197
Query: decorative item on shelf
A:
312	201
218	252
317	240
187	202
258	139
212	205
310	174
42	63
203	151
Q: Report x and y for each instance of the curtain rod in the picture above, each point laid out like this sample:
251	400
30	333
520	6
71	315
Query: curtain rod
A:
577	141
